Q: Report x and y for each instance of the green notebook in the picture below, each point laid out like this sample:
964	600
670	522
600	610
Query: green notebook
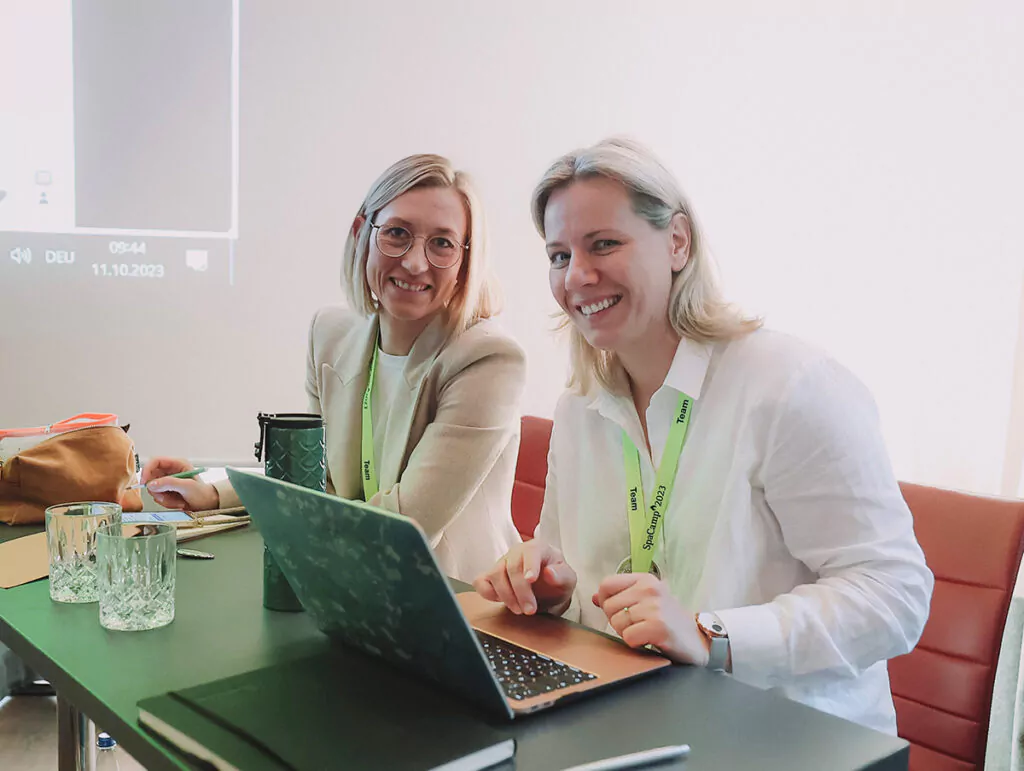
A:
290	717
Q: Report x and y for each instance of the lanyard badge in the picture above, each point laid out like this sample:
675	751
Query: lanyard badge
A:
645	521
367	471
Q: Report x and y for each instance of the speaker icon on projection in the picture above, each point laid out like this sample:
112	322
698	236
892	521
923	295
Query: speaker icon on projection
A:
21	255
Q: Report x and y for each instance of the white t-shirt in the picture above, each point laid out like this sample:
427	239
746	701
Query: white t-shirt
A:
386	379
785	519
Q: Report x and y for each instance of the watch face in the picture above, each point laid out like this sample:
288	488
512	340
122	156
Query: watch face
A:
711	624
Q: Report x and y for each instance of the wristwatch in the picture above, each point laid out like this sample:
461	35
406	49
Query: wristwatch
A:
712	628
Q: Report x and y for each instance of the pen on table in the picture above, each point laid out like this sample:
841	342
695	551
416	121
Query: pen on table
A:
180	475
634	759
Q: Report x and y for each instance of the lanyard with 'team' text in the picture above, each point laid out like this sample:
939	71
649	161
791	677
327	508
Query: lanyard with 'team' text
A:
645	521
368	472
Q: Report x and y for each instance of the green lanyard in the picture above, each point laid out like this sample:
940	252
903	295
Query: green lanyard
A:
644	521
368	471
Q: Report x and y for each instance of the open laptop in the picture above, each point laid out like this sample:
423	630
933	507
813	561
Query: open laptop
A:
369	579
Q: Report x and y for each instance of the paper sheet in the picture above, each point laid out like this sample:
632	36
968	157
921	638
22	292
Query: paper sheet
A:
23	560
26	559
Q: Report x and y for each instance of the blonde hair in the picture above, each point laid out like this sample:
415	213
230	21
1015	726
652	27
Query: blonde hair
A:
475	295
697	308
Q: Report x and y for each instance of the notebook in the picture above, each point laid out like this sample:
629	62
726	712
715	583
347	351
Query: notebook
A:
292	717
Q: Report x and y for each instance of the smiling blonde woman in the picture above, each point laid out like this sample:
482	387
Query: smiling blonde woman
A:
735	506
446	381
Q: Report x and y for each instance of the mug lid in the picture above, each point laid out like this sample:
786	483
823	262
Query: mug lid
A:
293	420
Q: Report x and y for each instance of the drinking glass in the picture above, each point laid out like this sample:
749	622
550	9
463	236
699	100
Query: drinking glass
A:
136	573
71	542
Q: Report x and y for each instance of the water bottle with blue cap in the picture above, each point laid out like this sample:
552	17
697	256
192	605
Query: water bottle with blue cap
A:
107	753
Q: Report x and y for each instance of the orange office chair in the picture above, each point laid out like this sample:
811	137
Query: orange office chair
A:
943	688
531	473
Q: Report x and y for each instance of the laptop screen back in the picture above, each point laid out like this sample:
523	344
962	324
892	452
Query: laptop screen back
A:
370	581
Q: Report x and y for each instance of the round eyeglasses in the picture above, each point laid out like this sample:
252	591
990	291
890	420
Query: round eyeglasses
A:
442	251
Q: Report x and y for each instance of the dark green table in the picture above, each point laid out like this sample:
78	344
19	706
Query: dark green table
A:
19	678
221	629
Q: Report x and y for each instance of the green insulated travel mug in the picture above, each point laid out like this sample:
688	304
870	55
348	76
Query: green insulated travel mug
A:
294	449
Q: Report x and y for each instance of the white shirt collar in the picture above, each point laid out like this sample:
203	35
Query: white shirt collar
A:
689	366
685	375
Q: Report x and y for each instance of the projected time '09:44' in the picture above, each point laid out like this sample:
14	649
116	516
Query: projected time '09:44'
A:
128	270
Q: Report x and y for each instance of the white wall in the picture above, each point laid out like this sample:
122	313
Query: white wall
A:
1013	466
856	165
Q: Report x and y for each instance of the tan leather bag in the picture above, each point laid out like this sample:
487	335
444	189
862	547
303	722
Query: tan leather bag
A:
87	464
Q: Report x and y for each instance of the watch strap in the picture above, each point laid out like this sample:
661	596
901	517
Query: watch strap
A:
719	653
718	639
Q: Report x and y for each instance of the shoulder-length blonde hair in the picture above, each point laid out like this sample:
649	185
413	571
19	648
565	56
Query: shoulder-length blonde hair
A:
476	295
697	308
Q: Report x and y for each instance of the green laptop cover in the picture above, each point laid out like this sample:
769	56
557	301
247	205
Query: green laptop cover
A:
370	581
328	711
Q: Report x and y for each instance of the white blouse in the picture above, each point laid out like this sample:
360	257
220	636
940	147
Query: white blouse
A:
786	519
388	378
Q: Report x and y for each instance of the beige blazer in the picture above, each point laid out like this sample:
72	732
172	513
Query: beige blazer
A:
449	455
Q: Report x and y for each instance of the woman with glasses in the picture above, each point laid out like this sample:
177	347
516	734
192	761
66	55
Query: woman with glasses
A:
735	506
416	366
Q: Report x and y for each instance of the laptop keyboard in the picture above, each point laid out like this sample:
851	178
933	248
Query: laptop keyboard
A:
523	673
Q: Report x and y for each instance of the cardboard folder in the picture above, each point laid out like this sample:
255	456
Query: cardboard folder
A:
25	559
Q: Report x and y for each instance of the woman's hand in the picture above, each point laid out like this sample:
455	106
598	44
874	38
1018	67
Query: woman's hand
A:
532	577
172	493
643	611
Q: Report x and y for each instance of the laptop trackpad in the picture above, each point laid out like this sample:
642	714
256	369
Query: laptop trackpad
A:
608	658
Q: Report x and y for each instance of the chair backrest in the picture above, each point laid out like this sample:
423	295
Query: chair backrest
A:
943	688
531	473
